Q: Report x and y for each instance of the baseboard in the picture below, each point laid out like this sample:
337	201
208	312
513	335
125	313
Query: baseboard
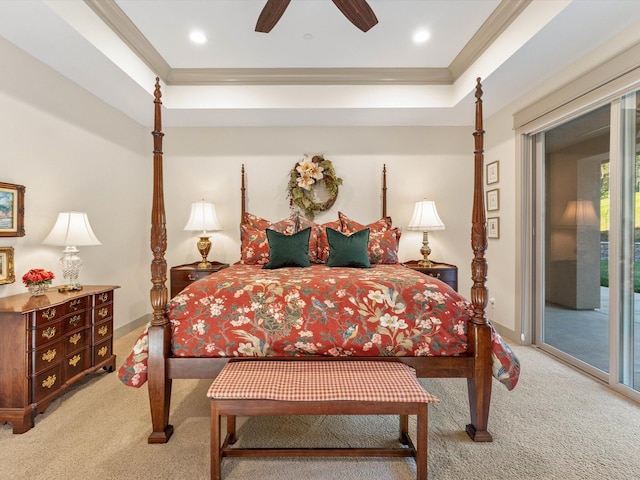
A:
506	333
137	324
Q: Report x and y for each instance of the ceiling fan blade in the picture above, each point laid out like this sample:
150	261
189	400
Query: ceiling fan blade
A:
270	15
358	12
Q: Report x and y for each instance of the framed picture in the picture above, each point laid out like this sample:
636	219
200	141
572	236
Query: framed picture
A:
493	172
7	274
493	200
11	210
493	227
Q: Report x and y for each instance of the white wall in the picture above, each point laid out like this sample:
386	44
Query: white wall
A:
503	266
73	152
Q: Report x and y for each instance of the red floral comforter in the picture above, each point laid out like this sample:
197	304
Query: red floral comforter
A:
387	310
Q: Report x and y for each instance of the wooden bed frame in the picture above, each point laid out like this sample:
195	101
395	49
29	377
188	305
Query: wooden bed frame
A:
476	366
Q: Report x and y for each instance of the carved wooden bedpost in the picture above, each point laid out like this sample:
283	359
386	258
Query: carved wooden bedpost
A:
384	190
159	331
478	330
243	201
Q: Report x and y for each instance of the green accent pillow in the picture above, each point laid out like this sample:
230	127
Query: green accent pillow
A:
348	251
288	250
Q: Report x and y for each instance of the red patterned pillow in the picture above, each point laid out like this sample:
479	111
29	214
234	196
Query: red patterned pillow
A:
254	221
348	226
323	242
303	223
383	247
254	247
383	240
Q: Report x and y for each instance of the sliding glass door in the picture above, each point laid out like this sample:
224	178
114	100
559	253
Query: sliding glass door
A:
587	238
575	195
629	328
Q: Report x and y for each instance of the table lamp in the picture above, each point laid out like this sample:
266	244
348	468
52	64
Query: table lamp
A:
425	218
72	229
203	218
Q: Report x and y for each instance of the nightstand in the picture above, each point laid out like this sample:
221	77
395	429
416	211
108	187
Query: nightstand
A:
442	271
184	275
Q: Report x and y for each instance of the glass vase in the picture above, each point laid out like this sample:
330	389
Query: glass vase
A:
37	289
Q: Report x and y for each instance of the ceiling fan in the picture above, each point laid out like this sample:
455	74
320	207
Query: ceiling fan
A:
357	12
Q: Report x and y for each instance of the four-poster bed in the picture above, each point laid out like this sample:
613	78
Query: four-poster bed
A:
467	347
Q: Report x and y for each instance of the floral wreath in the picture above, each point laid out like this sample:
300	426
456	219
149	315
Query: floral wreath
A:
305	176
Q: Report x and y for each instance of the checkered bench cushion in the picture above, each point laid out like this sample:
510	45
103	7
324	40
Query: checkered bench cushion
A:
307	381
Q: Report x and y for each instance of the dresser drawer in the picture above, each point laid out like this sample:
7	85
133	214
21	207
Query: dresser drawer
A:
50	314
75	321
102	351
76	340
104	297
184	275
76	363
103	312
78	304
47	382
48	333
181	279
47	356
446	275
103	331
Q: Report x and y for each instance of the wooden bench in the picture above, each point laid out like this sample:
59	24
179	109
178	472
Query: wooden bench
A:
318	388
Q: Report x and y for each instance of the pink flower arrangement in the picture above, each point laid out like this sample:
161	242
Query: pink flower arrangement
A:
37	276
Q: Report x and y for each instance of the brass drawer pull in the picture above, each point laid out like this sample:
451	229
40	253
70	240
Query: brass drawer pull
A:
75	320
49	313
49	382
103	297
49	333
435	275
74	361
75	304
103	330
103	312
49	355
192	277
75	338
103	351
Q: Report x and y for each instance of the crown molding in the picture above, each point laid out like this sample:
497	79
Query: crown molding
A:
115	18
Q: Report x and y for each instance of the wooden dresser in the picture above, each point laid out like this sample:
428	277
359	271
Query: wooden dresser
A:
49	342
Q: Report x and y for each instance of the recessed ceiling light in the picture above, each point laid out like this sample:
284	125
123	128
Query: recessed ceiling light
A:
308	36
198	37
421	36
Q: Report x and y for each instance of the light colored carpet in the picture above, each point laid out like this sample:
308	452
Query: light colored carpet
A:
556	424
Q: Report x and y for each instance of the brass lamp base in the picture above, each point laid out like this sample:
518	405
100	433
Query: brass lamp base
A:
204	246
425	251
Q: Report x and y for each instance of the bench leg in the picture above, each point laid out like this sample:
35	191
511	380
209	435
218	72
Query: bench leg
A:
216	473
231	429
421	449
404	430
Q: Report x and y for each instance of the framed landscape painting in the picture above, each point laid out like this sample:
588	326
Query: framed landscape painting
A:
11	210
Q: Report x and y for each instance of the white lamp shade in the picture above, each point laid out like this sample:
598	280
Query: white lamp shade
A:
425	217
580	212
72	229
203	217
